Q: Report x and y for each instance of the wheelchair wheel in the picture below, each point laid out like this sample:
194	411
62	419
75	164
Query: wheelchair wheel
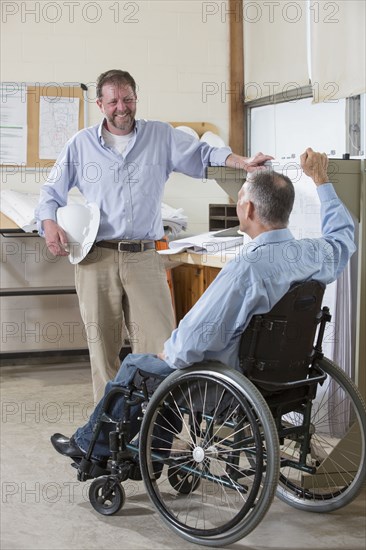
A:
336	450
106	495
231	462
183	481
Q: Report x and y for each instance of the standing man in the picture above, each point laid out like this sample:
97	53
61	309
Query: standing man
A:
122	164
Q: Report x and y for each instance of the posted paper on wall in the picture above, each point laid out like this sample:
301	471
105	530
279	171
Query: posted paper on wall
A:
59	121
13	129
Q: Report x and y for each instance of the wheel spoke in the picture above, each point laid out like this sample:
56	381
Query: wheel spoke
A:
336	449
212	490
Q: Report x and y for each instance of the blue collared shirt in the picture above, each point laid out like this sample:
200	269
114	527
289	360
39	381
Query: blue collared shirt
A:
256	279
127	188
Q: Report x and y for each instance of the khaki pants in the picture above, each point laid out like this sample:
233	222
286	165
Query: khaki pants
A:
117	289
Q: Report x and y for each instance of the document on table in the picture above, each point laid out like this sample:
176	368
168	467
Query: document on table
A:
205	243
19	207
174	220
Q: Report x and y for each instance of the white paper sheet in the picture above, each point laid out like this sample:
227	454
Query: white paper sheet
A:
13	128
19	207
59	121
174	220
206	243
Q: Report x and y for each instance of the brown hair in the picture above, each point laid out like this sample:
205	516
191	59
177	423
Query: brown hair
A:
117	77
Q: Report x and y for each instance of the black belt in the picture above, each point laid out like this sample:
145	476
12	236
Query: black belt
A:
127	246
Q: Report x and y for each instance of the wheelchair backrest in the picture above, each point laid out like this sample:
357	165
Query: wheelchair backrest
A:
277	347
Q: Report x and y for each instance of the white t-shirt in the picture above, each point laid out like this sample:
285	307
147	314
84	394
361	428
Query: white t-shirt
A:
119	143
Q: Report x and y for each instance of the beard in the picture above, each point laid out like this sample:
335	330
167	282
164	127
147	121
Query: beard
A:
124	123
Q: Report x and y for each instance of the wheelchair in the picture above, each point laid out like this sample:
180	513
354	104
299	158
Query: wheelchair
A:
217	444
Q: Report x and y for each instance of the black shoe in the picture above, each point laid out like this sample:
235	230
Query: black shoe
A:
66	446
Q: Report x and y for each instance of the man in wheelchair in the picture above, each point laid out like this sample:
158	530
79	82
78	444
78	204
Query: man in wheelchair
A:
229	414
250	284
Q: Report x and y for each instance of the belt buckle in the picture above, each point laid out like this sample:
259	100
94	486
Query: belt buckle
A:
130	243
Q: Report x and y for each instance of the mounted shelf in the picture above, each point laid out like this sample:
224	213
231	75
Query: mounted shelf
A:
222	216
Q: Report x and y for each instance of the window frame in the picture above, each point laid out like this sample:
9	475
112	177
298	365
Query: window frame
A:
354	123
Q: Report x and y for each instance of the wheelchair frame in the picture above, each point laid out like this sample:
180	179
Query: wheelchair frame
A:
244	443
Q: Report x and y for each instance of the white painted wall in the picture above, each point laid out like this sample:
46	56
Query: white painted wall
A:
175	49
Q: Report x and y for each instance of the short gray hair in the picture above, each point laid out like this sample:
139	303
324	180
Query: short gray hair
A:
273	196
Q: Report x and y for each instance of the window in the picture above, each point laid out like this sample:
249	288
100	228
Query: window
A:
284	129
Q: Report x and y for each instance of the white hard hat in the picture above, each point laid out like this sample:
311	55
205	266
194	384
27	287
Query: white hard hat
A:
80	223
213	139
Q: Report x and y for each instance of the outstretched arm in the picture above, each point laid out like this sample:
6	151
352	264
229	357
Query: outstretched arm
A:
315	166
247	163
336	222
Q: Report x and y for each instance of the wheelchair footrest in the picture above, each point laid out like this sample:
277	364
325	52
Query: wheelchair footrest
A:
89	469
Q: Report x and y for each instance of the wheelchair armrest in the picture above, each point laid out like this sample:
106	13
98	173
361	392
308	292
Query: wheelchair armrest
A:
276	386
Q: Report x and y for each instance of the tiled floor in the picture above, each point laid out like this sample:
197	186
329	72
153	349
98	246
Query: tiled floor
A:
44	506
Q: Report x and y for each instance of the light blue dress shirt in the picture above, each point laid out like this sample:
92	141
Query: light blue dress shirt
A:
127	188
256	279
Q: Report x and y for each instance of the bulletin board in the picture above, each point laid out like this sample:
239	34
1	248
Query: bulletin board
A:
34	94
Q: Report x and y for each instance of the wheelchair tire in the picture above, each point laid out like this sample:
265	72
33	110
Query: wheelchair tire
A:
337	447
232	449
106	495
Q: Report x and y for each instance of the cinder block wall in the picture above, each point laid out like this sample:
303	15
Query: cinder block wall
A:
178	53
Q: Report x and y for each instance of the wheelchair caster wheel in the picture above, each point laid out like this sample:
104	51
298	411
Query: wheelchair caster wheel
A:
106	495
182	481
